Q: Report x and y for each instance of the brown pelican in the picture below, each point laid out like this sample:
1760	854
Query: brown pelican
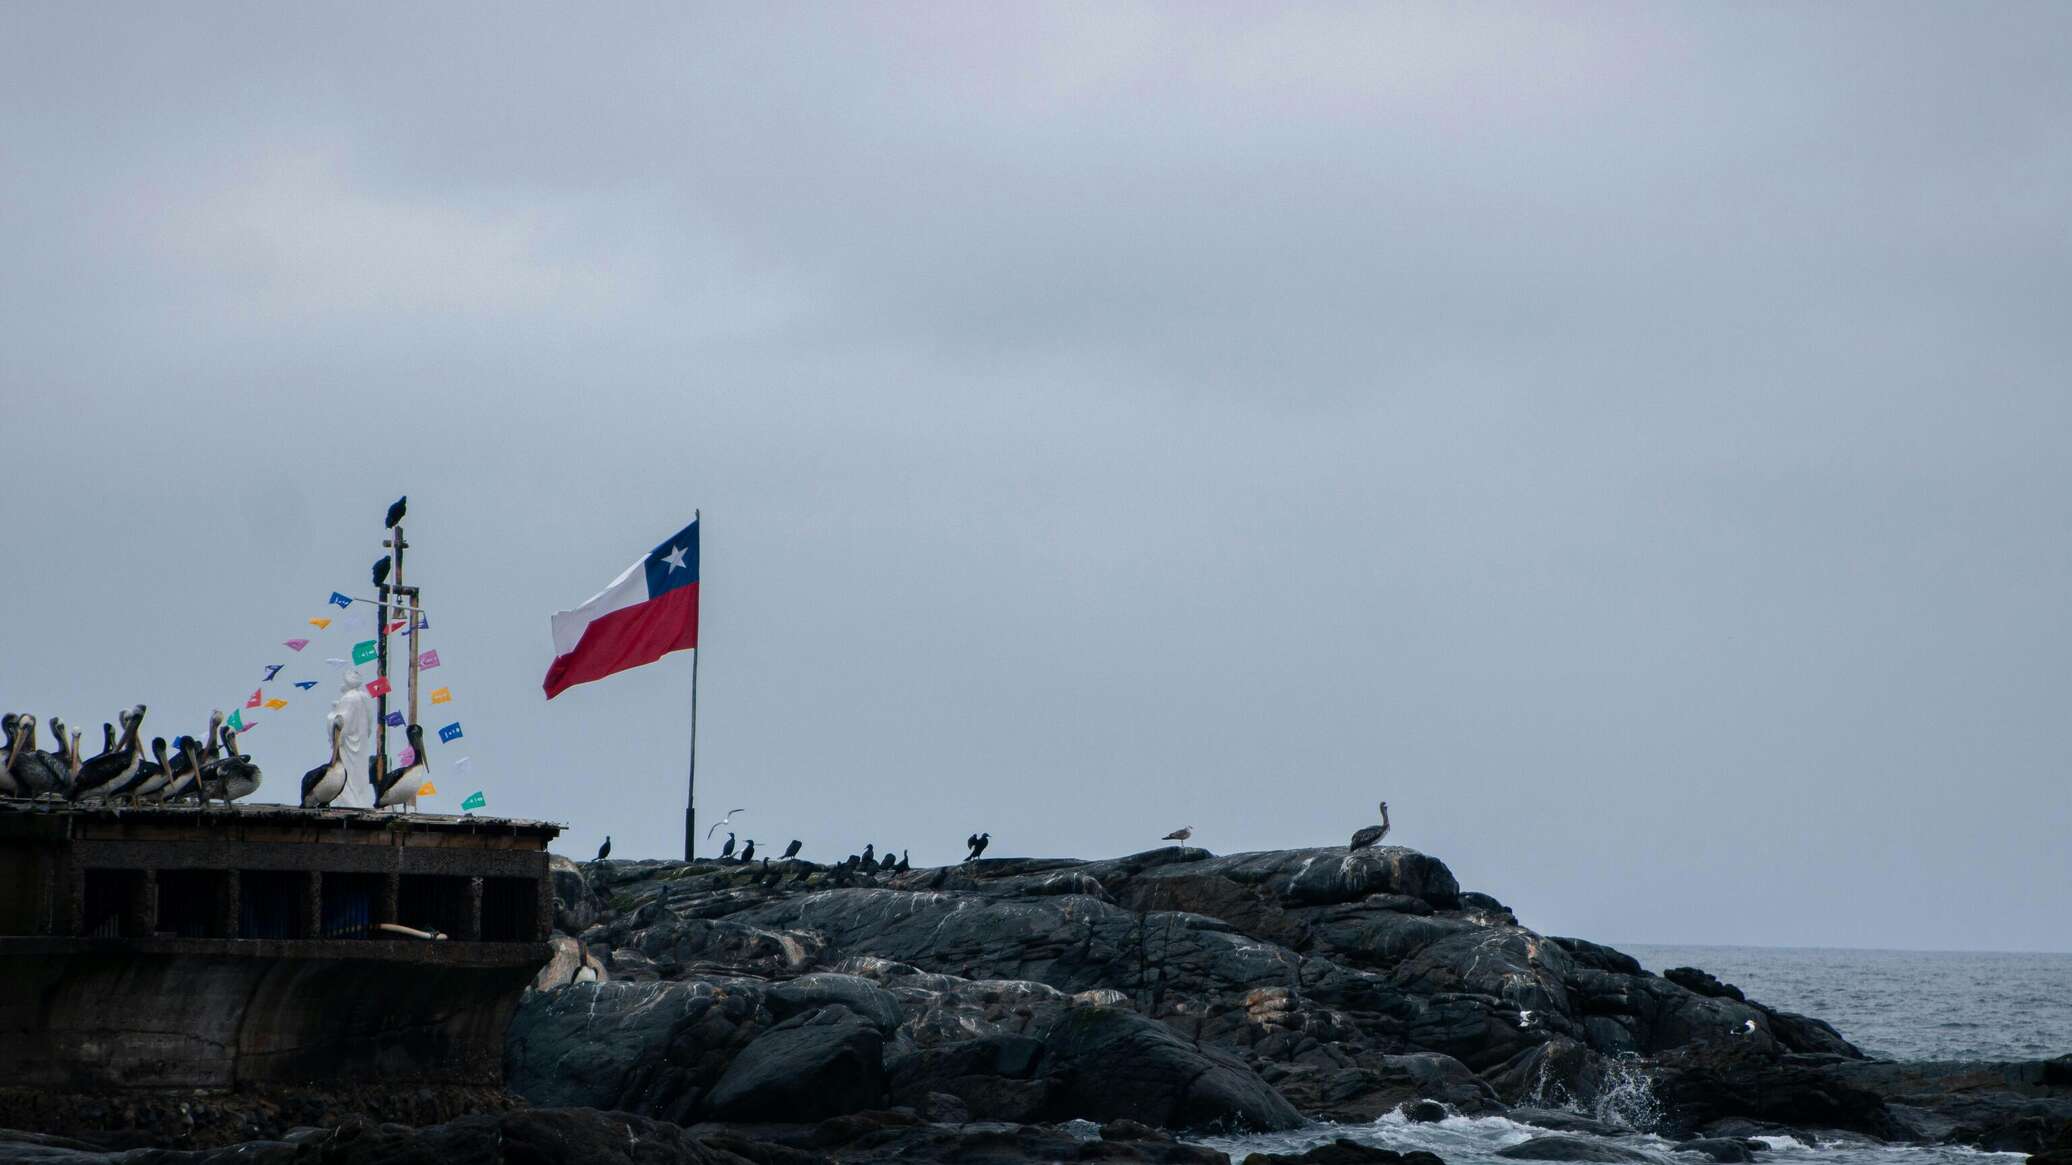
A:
151	775
35	771
9	723
322	784
1179	834
400	786
111	771
186	770
107	737
1373	834
231	777
68	749
978	843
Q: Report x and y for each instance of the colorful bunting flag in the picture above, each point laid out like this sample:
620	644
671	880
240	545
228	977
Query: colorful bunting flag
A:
398	623
379	686
450	733
363	651
427	790
475	801
343	601
255	699
441	695
423	623
407	757
305	685
464	765
295	644
272	670
276	703
237	719
393	720
429	659
334	661
320	624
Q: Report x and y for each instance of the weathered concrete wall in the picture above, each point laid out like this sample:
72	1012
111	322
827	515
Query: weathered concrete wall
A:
215	1014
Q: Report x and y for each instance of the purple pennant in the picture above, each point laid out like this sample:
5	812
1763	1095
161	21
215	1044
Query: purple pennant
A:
295	644
407	757
427	660
394	720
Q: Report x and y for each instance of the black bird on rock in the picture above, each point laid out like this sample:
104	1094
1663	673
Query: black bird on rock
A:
792	850
381	570
978	843
904	865
727	850
870	857
604	851
395	514
748	852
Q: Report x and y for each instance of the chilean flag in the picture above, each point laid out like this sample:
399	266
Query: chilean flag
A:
647	612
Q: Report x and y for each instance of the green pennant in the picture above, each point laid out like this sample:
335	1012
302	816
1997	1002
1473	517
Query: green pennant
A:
475	801
363	651
237	720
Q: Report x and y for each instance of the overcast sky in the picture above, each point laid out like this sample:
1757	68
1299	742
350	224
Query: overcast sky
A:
1632	440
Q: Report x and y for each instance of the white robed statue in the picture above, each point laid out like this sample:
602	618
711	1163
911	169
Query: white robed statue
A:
354	711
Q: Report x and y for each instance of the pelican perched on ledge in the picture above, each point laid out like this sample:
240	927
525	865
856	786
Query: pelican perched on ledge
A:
1371	835
322	784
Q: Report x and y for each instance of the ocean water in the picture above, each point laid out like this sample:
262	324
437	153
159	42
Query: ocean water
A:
1903	1005
1911	1005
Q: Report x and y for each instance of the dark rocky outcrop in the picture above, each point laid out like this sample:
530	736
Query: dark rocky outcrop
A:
1562	1147
1344	1152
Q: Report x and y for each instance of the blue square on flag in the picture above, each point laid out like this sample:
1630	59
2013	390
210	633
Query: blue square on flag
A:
674	563
393	720
341	600
451	732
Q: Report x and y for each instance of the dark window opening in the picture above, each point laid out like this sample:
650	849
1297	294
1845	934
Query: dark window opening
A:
349	904
190	903
510	910
109	905
270	903
433	902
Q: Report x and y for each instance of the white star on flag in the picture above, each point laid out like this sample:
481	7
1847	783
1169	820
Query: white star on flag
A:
675	557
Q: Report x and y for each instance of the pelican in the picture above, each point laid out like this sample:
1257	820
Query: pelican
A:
400	786
110	772
322	784
35	771
233	776
9	723
722	823
1179	834
151	775
978	843
1373	834
185	769
68	750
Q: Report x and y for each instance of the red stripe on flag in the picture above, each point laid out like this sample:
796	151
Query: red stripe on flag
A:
628	638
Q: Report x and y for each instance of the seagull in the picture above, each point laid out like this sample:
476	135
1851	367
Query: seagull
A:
1747	1028
1179	834
1525	1018
395	514
727	820
604	851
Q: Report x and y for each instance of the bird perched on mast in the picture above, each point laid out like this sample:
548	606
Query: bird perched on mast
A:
381	570
395	513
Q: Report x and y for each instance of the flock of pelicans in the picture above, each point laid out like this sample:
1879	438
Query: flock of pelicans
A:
187	770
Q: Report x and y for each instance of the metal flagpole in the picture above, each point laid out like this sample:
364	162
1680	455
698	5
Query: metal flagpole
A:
690	805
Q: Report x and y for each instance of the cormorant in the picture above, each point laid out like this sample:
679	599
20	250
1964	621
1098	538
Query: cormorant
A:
748	852
727	850
978	843
381	570
1179	834
870	856
395	513
399	786
604	851
903	865
792	850
322	784
722	823
1373	834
